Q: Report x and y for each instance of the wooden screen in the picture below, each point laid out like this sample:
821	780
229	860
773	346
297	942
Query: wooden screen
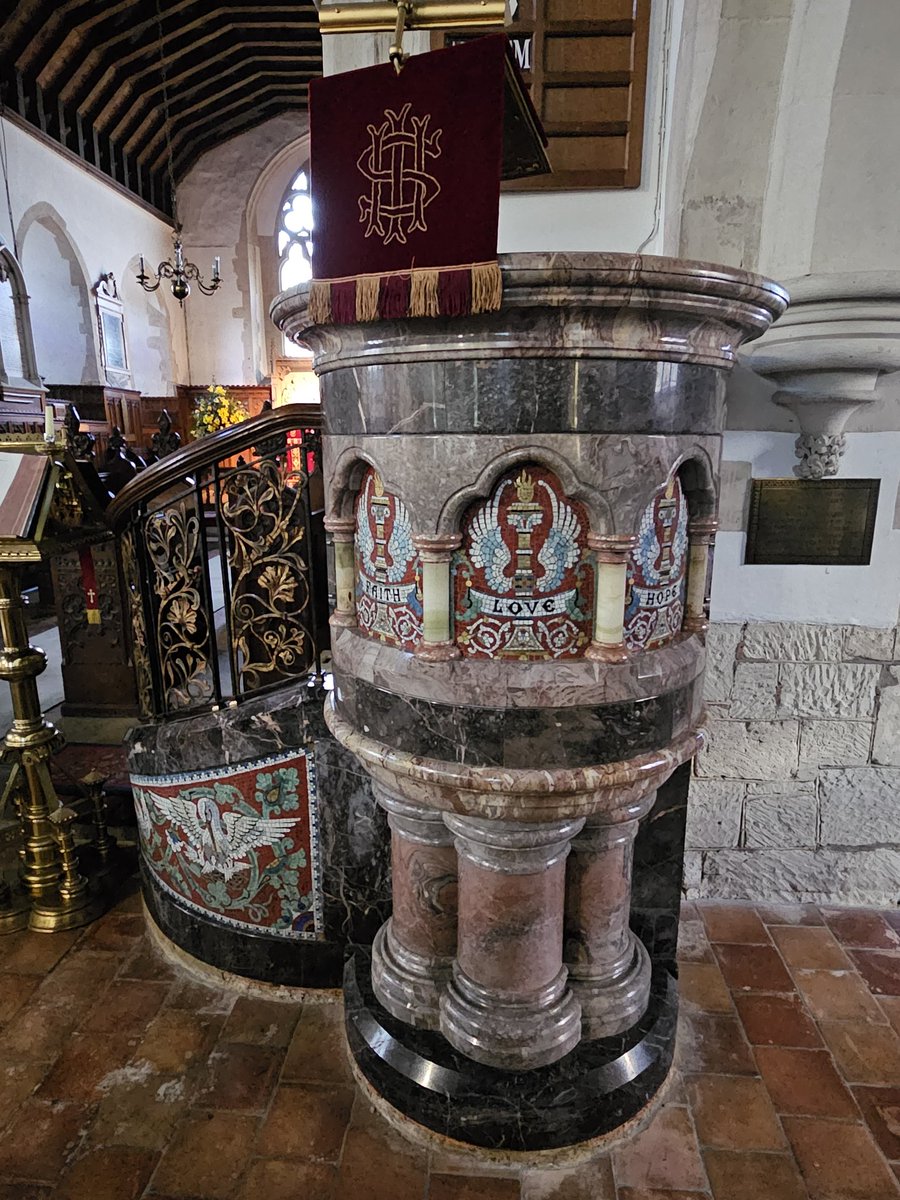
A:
585	62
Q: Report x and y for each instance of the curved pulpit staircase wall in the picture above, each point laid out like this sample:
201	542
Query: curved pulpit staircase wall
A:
245	864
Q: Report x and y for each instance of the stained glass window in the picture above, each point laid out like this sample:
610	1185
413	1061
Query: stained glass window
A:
295	234
295	242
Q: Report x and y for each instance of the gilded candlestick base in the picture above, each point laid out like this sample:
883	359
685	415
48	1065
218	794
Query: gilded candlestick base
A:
74	906
49	917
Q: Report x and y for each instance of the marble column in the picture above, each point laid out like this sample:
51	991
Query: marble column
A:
413	951
507	1004
435	554
342	530
611	555
701	537
609	968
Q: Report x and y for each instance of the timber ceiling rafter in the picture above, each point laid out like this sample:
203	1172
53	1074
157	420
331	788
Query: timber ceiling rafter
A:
87	73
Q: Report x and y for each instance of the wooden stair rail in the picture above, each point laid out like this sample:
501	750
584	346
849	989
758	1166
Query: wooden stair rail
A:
206	452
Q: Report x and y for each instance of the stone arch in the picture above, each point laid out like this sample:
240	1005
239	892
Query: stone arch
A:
696	474
456	506
346	479
64	326
659	564
18	362
698	482
260	234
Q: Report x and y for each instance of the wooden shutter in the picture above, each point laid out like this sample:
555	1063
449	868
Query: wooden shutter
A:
585	62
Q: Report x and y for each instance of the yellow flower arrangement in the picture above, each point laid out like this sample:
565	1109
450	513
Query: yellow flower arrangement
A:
217	409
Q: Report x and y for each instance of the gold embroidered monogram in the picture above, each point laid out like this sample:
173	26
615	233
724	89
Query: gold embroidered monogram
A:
401	188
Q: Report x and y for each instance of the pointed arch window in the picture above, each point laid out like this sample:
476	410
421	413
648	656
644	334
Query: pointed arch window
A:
295	244
295	241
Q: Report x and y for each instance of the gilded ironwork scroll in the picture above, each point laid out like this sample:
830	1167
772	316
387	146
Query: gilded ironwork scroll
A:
264	513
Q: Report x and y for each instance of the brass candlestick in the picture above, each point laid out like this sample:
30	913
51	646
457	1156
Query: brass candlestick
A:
104	843
29	746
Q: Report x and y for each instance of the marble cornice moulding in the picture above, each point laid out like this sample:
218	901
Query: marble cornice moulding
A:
827	354
566	305
502	683
609	791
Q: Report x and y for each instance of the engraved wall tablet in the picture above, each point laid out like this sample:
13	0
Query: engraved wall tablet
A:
523	586
823	522
657	573
111	326
388	590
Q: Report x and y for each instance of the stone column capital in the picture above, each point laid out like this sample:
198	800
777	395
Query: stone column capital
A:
422	825
437	547
343	528
512	847
702	529
611	548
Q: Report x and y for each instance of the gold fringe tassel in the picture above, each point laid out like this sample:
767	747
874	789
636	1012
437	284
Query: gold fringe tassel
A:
367	289
423	294
320	301
487	287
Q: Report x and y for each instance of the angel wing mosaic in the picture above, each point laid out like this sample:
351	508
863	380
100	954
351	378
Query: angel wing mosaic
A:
657	573
389	589
523	583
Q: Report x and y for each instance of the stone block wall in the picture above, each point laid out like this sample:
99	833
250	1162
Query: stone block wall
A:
797	797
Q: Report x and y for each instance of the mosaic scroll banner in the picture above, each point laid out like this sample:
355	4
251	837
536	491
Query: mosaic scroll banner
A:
523	582
389	586
657	573
237	844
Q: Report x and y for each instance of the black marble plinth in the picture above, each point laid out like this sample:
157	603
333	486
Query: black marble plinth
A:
290	963
574	736
592	1091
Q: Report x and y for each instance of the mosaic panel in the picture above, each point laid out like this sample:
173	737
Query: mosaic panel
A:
523	581
657	572
388	577
238	844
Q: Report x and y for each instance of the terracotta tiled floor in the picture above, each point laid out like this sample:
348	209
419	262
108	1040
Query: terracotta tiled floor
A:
119	1079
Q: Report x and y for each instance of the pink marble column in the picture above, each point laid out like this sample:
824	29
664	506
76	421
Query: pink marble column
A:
413	951
507	1004
609	968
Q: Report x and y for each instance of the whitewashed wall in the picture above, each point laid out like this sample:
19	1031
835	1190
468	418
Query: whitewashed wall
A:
229	203
68	227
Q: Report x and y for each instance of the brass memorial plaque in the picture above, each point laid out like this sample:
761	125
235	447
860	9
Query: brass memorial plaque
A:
821	522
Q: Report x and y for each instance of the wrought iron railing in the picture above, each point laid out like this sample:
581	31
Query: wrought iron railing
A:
223	555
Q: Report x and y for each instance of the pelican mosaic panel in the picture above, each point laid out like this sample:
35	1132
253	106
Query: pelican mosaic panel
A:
523	581
238	844
657	572
388	582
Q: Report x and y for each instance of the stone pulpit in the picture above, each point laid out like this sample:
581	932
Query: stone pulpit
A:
523	508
